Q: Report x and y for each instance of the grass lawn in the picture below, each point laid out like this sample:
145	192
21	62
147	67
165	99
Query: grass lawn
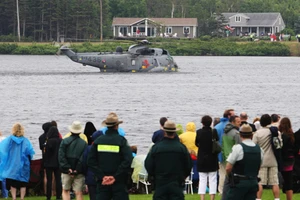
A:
267	195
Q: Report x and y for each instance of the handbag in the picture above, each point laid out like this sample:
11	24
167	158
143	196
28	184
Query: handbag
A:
216	147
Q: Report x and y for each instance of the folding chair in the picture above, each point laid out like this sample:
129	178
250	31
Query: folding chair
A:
189	184
35	185
143	179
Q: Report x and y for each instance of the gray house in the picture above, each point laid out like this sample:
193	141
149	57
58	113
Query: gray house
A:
259	23
155	27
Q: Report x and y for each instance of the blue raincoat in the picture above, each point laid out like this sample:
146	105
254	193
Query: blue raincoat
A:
15	156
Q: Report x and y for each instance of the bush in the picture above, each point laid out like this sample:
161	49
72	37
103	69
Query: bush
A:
7	48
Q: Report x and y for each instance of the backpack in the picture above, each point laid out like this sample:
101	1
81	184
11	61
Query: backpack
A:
276	146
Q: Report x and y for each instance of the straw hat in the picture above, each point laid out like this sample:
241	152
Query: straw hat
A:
76	127
170	126
246	130
112	120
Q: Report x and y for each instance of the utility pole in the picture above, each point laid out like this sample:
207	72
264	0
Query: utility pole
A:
101	22
18	20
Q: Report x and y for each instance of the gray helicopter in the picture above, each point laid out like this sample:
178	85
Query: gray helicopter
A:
138	58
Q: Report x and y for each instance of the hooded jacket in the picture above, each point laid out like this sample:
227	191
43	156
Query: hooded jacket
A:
220	129
230	137
15	154
42	138
51	148
188	138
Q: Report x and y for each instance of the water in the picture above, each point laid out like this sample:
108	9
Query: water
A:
36	89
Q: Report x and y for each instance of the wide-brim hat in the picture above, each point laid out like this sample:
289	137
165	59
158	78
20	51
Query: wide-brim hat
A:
246	130
170	126
76	127
112	120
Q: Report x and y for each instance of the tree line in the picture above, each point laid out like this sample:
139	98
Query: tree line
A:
80	20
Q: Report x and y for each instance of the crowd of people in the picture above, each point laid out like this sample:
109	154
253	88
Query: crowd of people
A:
227	155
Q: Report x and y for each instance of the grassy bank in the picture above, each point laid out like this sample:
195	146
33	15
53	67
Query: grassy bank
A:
183	47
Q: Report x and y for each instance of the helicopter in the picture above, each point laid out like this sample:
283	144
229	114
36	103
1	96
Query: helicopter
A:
138	58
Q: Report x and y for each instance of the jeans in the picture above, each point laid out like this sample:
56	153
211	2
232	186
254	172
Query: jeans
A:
3	189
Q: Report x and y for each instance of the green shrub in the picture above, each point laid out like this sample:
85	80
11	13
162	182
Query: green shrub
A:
7	48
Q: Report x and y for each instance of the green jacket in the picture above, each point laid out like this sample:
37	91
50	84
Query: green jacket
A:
70	154
230	137
110	155
168	161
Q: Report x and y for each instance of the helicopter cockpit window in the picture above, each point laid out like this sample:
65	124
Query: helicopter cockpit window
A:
132	62
164	52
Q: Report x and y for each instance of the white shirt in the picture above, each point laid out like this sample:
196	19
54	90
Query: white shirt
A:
238	153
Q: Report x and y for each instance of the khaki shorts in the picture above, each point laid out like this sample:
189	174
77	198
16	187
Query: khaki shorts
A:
76	182
268	175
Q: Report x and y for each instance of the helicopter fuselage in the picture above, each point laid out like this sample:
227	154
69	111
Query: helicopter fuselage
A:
138	58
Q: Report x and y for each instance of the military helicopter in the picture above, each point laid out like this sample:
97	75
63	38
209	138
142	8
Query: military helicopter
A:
138	58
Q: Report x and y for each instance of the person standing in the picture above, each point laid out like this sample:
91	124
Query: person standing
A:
51	162
207	162
288	158
169	162
90	182
243	166
230	138
269	168
188	139
70	157
244	118
16	152
110	158
159	134
220	129
3	181
42	139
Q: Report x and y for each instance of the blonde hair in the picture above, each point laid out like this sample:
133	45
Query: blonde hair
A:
17	130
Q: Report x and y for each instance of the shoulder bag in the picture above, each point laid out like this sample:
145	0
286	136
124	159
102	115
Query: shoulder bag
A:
216	147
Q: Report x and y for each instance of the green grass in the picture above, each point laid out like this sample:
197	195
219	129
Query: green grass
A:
267	195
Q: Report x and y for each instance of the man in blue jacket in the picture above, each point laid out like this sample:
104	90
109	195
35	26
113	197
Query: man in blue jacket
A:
220	129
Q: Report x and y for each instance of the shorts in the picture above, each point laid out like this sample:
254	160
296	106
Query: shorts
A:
76	182
15	184
268	175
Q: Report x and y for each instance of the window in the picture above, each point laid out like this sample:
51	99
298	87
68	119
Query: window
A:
169	30
279	20
132	62
237	18
276	29
186	30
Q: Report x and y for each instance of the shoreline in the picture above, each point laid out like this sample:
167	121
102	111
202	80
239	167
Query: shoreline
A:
194	47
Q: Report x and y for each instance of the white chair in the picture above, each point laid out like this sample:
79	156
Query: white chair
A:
120	34
175	35
166	35
189	183
128	34
143	178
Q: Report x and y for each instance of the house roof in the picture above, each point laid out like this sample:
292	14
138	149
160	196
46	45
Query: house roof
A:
255	19
119	21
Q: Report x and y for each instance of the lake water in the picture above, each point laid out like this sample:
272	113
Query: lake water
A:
36	89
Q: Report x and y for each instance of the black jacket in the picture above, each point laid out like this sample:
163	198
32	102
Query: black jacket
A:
168	161
206	160
51	148
110	155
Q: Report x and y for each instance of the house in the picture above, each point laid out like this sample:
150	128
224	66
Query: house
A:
155	27
259	23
